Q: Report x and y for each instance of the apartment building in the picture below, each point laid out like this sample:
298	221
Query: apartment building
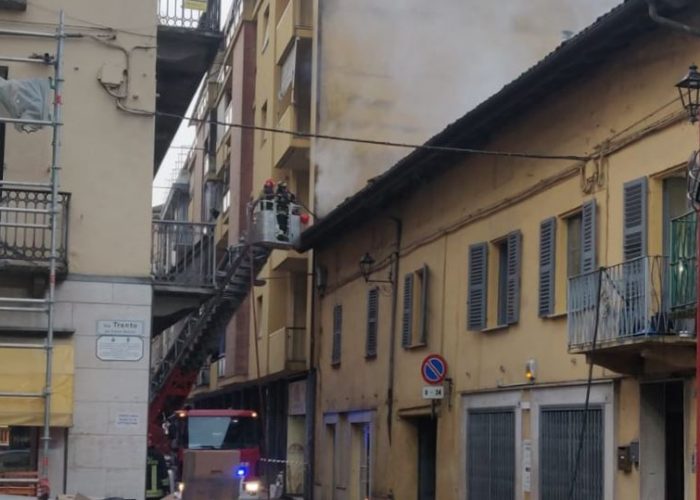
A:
101	310
517	271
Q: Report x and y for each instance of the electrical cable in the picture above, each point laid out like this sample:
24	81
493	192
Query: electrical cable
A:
589	383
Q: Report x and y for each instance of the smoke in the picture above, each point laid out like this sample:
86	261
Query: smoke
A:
401	70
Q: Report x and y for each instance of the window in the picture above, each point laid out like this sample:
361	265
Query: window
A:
265	29
372	323
18	449
491	454
415	308
263	123
502	248
559	441
507	252
676	204
337	332
573	245
578	248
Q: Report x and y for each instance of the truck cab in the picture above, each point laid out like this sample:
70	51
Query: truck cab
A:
216	453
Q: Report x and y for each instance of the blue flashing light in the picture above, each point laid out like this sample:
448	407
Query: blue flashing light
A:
242	472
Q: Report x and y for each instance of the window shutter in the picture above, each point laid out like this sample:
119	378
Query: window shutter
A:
548	238
476	305
407	324
337	331
513	277
372	320
424	306
588	233
635	219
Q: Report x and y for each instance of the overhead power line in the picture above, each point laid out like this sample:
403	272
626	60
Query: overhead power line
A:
356	140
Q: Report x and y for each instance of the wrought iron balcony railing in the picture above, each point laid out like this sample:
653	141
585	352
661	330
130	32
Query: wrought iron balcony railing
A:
183	254
203	15
682	276
25	233
633	304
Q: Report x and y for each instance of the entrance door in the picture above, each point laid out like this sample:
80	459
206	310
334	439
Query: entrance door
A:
427	442
662	462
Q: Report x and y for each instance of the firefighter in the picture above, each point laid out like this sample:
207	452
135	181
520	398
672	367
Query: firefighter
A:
157	480
284	199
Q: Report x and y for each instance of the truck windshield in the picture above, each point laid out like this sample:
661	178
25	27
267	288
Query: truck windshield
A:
222	433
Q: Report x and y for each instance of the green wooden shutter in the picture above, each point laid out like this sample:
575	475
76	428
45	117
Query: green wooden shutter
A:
372	322
407	321
513	277
337	333
548	238
635	219
477	278
588	237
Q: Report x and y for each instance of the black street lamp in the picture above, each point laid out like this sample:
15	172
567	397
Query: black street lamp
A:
367	263
689	91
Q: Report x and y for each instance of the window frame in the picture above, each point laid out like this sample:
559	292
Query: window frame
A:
412	321
372	334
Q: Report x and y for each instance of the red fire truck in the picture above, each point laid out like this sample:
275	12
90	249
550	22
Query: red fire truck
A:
216	454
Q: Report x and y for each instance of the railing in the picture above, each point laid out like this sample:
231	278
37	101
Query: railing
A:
287	349
234	19
183	253
632	303
25	231
296	344
682	279
193	14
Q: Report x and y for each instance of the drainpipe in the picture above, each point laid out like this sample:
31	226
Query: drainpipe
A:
310	457
392	335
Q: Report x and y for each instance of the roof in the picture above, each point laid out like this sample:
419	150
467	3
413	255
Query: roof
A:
567	62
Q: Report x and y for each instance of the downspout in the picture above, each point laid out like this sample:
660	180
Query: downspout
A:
311	394
670	23
392	335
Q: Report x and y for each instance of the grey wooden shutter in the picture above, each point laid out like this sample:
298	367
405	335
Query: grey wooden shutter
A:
635	219
337	332
424	305
407	323
513	277
588	237
372	318
478	268
548	238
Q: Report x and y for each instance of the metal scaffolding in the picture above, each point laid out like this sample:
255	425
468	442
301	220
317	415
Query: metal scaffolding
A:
45	305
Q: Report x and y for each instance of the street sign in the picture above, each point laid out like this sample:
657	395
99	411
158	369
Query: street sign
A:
433	392
433	369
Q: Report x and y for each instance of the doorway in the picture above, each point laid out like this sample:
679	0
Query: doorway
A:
427	444
662	444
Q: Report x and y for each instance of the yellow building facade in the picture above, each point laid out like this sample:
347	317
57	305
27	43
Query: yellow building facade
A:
492	262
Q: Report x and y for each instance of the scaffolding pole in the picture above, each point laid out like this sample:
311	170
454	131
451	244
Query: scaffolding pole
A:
52	187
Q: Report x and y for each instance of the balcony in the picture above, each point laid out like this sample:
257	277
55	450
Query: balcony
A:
296	21
25	234
290	151
287	350
188	39
183	264
638	333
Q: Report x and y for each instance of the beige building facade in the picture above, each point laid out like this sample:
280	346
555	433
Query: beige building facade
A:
492	263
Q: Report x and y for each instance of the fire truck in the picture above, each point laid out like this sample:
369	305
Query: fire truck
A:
222	442
217	454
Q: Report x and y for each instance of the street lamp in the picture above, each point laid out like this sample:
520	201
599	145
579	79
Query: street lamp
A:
689	91
367	263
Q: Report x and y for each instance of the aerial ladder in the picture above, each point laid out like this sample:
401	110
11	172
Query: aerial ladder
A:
274	223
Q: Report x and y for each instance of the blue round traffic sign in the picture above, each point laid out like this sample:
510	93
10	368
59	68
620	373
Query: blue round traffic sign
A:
433	369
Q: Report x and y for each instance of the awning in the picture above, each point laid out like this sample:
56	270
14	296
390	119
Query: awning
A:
23	370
